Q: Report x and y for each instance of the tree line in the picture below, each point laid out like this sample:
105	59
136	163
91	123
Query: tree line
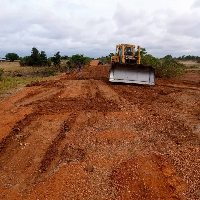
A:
184	57
165	67
39	59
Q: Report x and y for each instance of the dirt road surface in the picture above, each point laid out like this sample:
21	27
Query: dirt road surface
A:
78	136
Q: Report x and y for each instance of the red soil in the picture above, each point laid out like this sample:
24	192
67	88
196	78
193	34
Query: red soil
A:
78	136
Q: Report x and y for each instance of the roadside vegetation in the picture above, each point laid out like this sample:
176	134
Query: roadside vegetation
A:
169	66
16	77
35	59
106	59
166	67
74	61
1	74
9	83
18	72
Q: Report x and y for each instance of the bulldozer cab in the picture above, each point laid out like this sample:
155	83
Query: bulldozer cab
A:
126	67
128	51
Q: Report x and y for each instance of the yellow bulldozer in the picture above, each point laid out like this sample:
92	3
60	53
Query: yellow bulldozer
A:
126	67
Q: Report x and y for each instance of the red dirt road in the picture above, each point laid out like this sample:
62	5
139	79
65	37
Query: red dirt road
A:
78	136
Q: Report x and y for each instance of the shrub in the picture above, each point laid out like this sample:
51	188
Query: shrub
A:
75	59
171	67
49	62
25	61
193	66
50	72
56	59
65	57
36	59
1	73
69	64
167	67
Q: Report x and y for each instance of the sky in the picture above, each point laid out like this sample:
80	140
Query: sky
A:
95	27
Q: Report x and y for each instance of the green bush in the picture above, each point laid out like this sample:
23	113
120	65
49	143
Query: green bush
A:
171	68
25	61
56	59
49	62
69	64
1	73
193	67
36	59
64	68
73	62
50	72
167	67
11	56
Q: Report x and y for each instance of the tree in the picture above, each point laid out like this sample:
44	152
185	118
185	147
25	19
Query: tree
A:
65	57
36	59
12	56
78	58
56	59
35	55
75	59
43	59
168	57
143	52
111	54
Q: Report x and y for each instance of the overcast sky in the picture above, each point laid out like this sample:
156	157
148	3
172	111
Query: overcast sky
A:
95	27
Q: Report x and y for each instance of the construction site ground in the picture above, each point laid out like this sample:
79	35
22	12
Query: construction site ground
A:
78	136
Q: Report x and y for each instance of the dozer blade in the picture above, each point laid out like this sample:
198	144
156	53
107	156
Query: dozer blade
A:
132	73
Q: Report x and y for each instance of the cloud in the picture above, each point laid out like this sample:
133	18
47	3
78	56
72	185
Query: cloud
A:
163	31
196	4
93	27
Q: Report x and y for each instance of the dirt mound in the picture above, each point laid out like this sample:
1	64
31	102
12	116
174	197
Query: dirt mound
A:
78	136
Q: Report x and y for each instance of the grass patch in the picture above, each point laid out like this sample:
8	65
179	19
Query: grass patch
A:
9	65
30	72
8	83
13	76
193	67
1	73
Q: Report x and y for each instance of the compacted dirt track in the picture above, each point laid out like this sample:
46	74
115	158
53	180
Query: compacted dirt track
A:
78	136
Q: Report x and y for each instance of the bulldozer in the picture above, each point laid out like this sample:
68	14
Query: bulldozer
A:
126	67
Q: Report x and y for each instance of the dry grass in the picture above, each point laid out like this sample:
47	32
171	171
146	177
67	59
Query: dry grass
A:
188	62
191	65
16	77
10	65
